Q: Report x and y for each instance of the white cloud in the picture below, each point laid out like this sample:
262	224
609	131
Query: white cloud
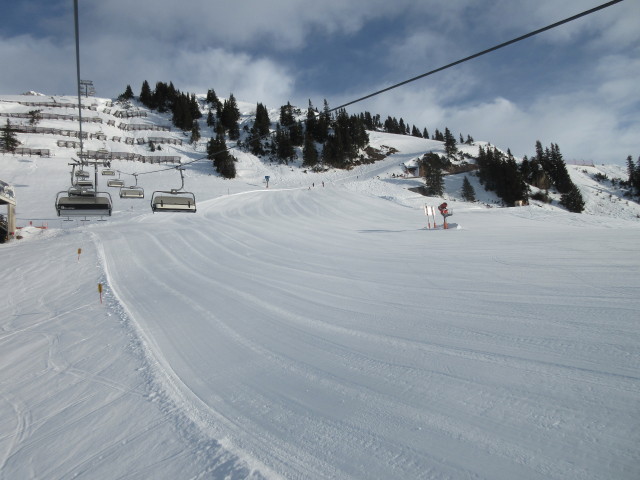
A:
282	24
36	64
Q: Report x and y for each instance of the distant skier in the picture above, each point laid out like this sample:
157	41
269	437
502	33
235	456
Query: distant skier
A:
444	209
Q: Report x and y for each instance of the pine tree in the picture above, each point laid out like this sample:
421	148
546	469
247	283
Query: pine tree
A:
229	117
450	147
289	123
212	99
559	173
127	95
572	200
635	182
35	117
312	122
634	175
195	132
309	151
181	110
324	121
262	122
194	107
218	152
146	95
468	192
9	140
284	147
210	120
434	181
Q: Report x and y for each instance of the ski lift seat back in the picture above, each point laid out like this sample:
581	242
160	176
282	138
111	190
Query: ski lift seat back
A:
98	204
131	192
174	200
116	182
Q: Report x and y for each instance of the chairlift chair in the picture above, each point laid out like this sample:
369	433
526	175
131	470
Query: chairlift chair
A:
82	174
96	204
84	184
133	191
108	172
116	182
174	200
83	188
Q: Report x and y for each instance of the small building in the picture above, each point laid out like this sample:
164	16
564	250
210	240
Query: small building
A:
8	221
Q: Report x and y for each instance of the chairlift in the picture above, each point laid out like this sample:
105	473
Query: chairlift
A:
82	174
96	204
116	182
133	191
174	200
108	172
82	188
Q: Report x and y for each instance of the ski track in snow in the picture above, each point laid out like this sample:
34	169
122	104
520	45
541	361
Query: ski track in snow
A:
349	374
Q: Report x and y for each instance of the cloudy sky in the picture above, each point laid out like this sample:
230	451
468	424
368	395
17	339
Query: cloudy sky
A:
576	85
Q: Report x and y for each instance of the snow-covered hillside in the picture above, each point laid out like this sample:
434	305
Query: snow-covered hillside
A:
315	329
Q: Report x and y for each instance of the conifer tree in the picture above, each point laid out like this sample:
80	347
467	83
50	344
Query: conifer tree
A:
262	122
572	200
312	122
288	122
450	147
146	95
195	132
213	100
284	147
309	151
468	192
127	95
324	121
9	140
434	181
194	107
635	182
35	117
229	117
633	171
210	120
218	152
181	110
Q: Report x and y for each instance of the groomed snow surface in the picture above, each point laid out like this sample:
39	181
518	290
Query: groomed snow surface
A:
316	332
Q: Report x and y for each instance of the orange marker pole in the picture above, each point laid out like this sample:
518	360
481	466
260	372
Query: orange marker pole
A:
79	252
100	291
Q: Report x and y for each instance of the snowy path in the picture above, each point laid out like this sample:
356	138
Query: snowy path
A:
322	334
